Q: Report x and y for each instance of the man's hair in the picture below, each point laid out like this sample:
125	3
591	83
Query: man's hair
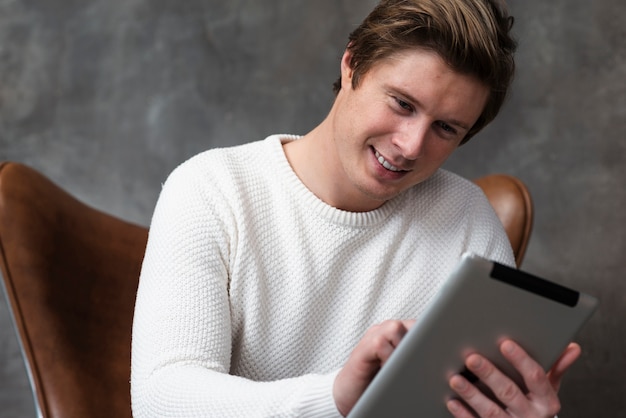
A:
471	36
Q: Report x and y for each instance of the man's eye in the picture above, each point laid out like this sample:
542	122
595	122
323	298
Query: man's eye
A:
447	127
404	105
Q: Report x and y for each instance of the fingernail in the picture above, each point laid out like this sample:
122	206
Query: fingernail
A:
474	362
458	383
508	347
453	406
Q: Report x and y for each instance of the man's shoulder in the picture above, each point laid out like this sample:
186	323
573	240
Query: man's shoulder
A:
231	175
446	184
446	196
225	162
232	153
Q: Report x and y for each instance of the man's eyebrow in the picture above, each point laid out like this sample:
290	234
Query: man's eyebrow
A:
412	99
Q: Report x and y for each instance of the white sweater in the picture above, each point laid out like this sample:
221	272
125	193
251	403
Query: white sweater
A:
253	291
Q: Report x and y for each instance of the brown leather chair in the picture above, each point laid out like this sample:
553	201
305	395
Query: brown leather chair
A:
512	203
70	275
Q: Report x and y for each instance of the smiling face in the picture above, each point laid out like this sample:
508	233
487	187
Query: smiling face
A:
408	113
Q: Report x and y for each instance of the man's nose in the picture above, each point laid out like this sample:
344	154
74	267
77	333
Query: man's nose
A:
412	140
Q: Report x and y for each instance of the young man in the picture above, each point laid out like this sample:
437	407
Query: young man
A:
280	275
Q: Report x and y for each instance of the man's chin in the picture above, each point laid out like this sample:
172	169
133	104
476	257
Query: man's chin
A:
380	195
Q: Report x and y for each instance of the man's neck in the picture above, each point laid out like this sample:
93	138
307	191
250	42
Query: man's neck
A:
314	160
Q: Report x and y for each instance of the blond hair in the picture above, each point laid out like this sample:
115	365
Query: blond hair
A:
471	36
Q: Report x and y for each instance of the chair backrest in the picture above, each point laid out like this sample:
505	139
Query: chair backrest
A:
71	275
512	202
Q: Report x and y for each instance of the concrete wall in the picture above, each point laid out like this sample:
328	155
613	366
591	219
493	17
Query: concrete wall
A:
106	97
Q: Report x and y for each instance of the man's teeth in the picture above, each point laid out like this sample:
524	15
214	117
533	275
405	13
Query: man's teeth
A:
385	163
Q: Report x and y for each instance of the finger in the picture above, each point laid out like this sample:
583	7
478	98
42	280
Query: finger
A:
457	409
569	357
408	323
365	361
541	394
534	376
393	330
380	341
474	398
390	336
502	387
382	346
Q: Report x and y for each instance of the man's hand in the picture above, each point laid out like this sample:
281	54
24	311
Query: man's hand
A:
541	401
365	361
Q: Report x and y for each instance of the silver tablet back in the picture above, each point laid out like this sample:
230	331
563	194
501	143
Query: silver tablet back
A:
480	304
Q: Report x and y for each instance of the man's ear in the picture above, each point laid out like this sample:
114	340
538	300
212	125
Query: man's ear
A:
346	69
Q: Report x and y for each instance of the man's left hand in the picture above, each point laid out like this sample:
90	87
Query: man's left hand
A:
541	400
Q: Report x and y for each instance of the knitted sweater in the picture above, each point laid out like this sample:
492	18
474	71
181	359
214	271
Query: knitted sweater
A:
253	292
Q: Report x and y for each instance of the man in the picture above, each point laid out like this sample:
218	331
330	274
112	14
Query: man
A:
280	275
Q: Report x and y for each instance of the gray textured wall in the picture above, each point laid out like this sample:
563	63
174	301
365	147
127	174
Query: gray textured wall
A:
107	96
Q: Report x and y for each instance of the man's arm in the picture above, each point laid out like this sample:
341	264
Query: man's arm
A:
182	330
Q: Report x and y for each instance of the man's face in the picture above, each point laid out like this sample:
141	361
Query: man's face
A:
407	115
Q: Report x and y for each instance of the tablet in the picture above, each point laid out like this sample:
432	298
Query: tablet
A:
480	304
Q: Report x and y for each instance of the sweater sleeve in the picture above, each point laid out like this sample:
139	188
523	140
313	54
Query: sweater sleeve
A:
181	346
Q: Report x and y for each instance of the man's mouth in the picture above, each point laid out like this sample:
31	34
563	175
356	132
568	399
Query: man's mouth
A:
386	163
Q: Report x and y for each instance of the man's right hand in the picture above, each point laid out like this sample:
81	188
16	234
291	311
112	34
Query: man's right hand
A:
365	361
